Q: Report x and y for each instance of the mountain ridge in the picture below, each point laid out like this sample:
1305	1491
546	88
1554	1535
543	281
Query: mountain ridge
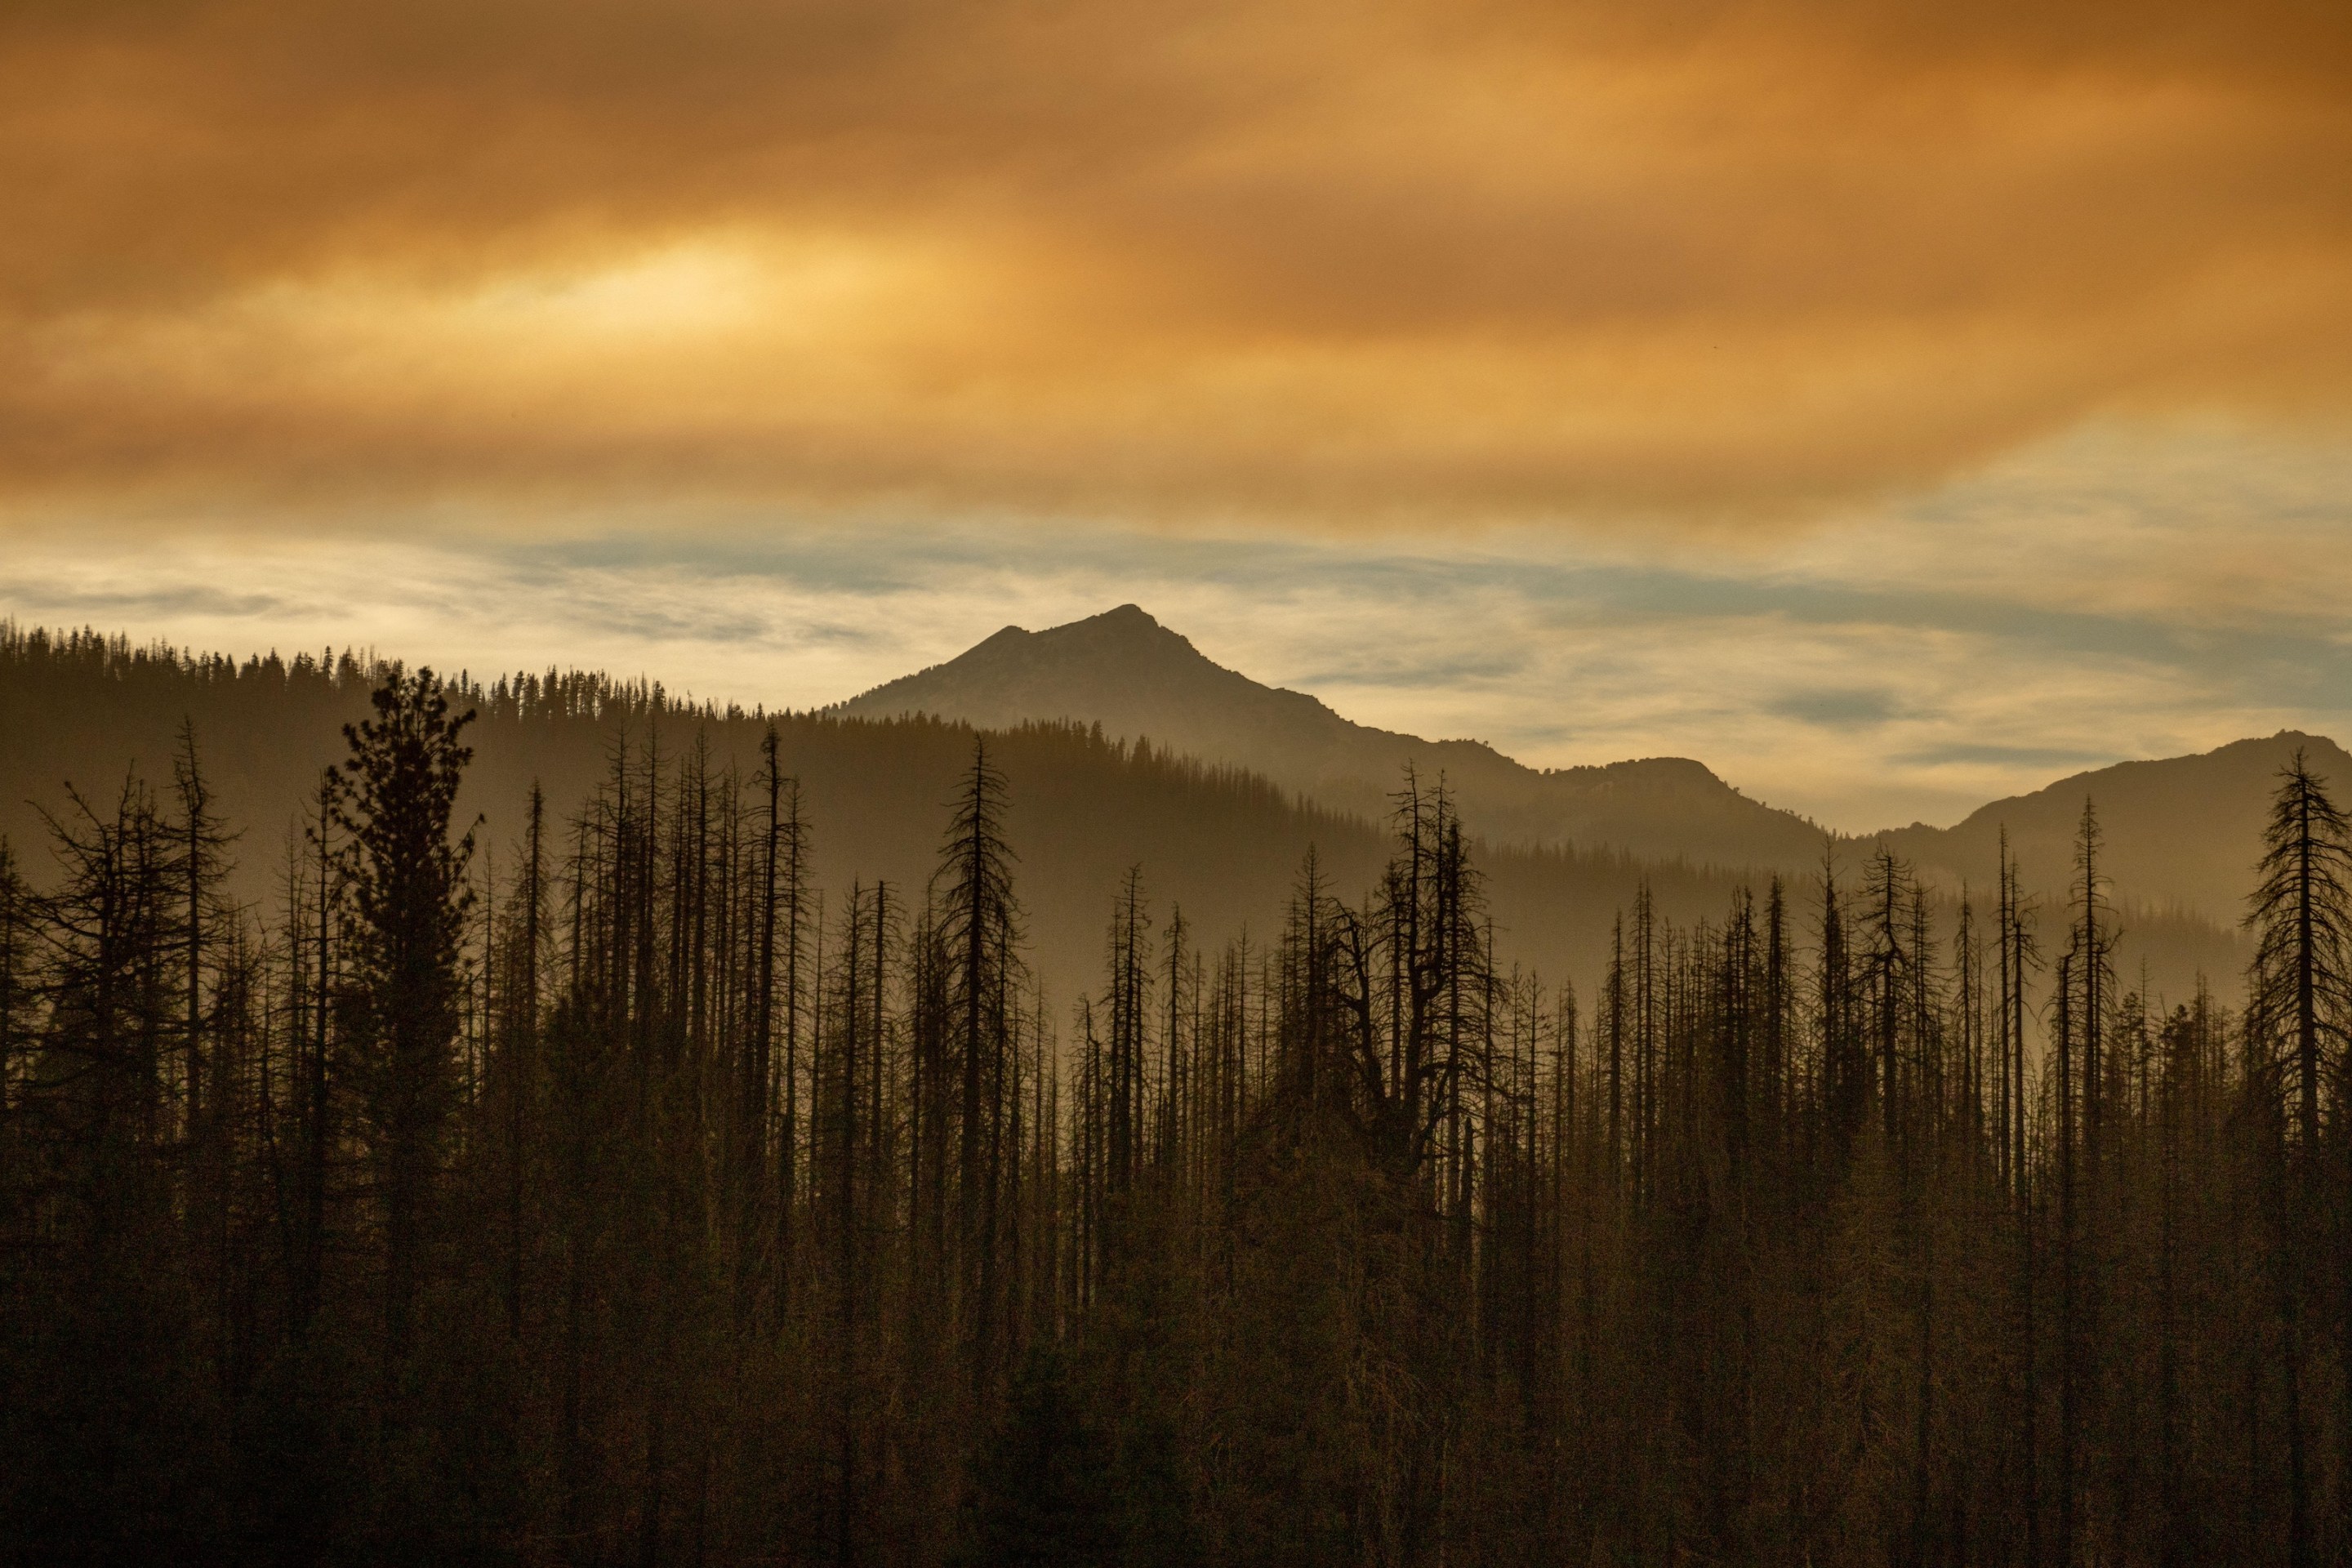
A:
1140	679
2182	832
1224	845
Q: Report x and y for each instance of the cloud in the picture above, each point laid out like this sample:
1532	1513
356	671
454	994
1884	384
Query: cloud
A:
1836	708
1985	659
2019	756
1299	263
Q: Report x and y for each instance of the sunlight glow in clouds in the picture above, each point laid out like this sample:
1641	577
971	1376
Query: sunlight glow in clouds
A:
1410	264
1888	405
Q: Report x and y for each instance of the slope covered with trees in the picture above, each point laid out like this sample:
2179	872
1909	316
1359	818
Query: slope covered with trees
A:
84	712
655	1196
2182	828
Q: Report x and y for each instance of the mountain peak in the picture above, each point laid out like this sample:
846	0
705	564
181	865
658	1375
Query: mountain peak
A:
1128	625
1139	679
1127	633
1121	668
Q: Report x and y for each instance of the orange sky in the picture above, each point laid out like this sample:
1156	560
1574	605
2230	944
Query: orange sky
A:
1888	404
1304	263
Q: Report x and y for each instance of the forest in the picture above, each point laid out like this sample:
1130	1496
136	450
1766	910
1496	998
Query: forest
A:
605	1186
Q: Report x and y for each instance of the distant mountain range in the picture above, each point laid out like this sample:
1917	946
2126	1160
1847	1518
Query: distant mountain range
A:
1566	848
2182	833
1137	678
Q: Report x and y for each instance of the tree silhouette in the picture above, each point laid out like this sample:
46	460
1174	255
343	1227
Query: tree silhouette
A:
401	983
664	1206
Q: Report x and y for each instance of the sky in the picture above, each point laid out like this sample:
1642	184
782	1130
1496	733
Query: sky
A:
1893	406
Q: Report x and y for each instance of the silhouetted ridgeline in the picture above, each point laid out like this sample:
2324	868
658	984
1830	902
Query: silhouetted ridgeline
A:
1137	680
89	710
2185	828
672	1194
1221	843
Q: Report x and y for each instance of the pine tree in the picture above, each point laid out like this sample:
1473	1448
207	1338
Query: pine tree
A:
402	983
2301	913
977	926
2299	1003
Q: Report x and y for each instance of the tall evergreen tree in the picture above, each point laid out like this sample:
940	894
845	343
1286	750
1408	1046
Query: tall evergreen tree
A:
2300	914
402	983
978	929
2299	1004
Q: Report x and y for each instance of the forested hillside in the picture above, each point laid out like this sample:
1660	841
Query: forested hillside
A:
2182	828
1082	809
663	1193
1085	810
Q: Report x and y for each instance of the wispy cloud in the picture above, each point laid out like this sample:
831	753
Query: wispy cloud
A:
1837	708
1908	661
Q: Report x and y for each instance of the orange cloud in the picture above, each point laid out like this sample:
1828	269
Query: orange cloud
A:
1302	260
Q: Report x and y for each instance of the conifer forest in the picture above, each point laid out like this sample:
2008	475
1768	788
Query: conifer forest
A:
601	1186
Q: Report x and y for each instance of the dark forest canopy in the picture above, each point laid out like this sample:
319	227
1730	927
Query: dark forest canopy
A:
666	1191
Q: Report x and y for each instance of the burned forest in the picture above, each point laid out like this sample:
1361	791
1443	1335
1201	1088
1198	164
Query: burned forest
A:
601	1184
